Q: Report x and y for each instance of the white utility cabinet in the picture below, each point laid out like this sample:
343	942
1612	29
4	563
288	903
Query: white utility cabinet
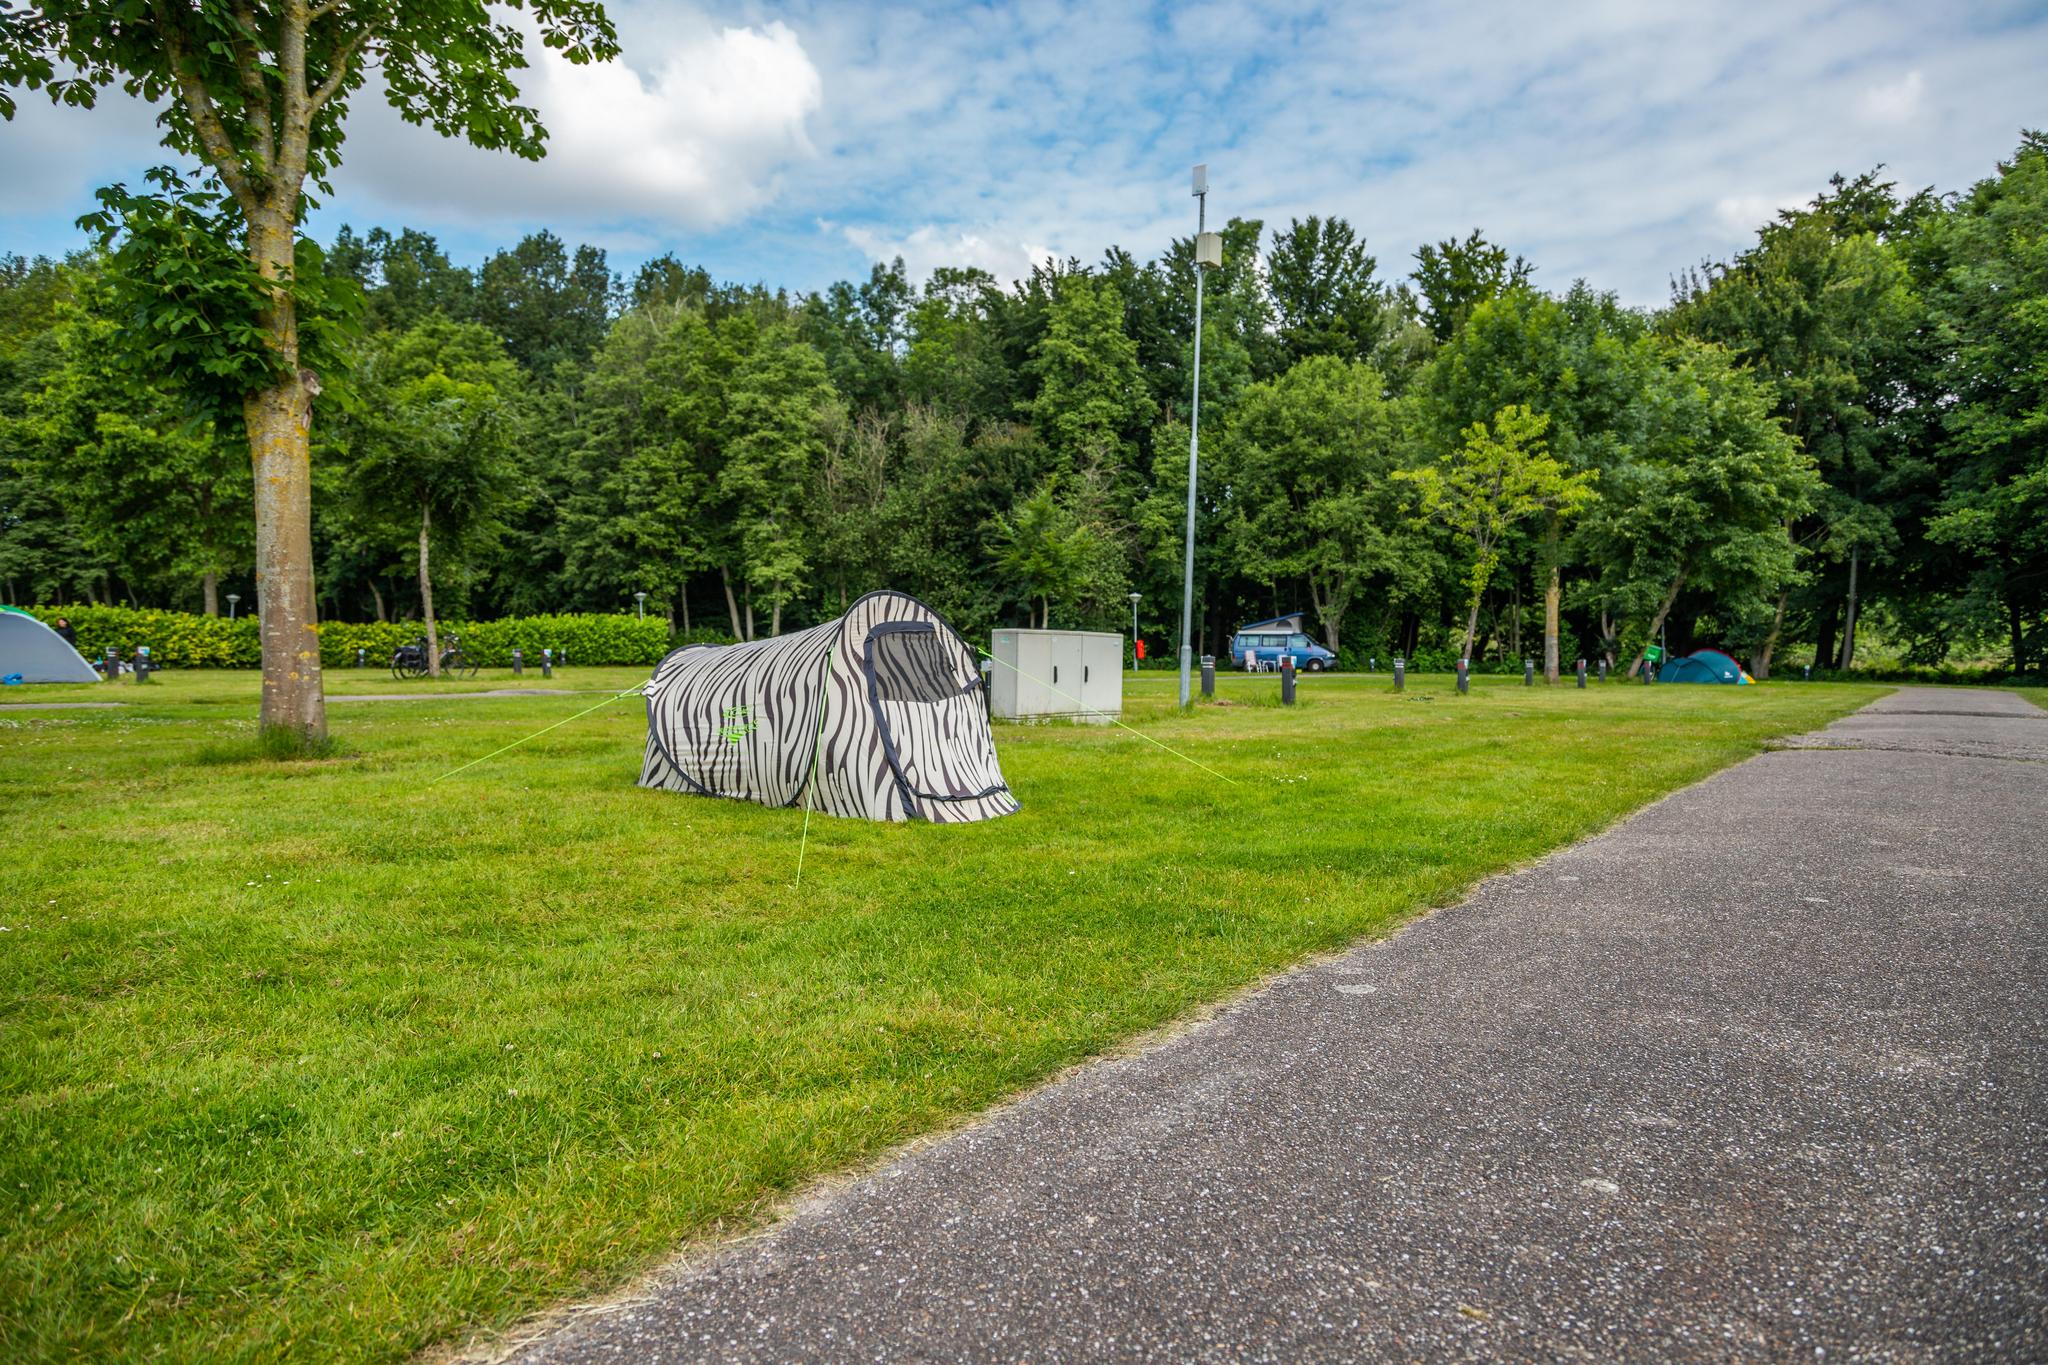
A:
1078	674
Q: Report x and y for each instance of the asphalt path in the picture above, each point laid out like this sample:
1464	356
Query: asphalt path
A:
1757	1074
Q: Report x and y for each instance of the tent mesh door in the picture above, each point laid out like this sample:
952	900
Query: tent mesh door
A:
914	666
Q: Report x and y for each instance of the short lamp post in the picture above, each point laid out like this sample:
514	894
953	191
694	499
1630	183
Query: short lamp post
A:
640	605
1134	632
233	598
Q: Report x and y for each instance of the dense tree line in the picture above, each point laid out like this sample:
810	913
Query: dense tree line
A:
1845	427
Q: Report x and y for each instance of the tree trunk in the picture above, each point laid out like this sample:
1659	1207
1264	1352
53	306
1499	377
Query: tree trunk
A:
683	597
2016	624
1656	624
732	606
427	599
378	598
1849	620
747	592
1471	629
279	419
1824	638
775	620
1760	662
1553	596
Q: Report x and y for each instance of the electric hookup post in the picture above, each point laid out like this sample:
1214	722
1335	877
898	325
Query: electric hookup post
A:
1806	674
1208	677
547	663
1581	671
360	651
144	666
1372	665
1528	672
518	663
1400	673
1464	676
1603	669
1287	680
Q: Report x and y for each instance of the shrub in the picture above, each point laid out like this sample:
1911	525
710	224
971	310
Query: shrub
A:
180	640
1946	675
176	639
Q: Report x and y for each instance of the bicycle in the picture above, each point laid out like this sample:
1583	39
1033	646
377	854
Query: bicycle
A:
410	661
454	662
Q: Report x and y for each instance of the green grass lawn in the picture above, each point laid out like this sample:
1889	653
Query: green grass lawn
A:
319	1058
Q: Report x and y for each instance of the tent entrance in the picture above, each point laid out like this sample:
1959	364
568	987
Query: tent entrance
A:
922	709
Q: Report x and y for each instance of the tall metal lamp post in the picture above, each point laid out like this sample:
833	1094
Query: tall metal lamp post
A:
233	598
1134	632
1208	256
640	605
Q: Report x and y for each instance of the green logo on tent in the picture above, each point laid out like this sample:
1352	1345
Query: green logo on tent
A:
739	724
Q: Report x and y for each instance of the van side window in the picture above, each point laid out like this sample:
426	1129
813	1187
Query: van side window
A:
1297	642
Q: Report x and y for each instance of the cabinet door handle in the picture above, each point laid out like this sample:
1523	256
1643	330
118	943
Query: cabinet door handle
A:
1055	672
1084	673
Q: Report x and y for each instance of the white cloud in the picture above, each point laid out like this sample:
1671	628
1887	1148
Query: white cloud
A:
1896	102
1610	140
926	248
696	135
1745	213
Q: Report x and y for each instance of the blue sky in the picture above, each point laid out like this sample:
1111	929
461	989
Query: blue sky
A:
798	143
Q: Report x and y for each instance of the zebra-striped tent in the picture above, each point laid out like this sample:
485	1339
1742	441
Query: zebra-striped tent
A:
878	715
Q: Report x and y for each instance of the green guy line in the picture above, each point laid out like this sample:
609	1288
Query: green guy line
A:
630	692
811	787
1111	719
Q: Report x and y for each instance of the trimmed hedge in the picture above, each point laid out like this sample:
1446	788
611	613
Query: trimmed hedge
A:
179	639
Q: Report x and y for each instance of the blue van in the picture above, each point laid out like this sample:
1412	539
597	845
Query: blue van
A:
1266	641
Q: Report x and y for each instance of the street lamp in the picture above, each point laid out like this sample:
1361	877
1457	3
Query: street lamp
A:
233	598
1208	255
640	604
1134	632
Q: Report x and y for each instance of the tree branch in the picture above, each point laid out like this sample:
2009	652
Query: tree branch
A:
206	120
250	66
343	55
291	63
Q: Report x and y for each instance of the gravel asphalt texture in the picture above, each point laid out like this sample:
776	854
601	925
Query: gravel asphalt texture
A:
1757	1074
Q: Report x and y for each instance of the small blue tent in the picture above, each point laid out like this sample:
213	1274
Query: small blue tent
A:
1704	666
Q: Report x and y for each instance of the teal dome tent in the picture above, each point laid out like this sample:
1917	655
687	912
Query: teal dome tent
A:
1704	666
